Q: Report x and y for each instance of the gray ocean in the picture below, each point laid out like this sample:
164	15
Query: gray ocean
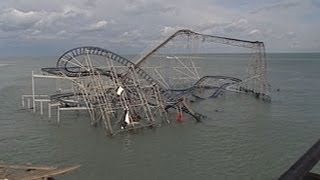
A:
246	139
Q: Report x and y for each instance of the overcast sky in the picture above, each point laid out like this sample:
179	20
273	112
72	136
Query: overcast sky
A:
38	27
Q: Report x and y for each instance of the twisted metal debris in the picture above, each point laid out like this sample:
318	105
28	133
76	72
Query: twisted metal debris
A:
123	95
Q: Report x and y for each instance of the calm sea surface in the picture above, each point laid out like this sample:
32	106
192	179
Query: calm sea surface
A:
246	139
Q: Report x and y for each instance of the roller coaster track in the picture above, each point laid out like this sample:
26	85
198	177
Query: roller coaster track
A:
210	38
219	89
71	55
222	87
201	80
256	67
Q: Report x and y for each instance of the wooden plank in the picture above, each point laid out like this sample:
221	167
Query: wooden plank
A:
311	176
25	167
304	164
26	172
49	173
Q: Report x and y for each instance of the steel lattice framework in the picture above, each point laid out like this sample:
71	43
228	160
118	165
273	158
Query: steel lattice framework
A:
255	82
122	95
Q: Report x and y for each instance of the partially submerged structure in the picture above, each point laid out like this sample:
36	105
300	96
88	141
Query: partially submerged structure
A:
29	172
301	169
123	94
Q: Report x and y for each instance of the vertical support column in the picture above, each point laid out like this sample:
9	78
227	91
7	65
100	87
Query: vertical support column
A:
58	115
49	110
28	102
33	93
41	108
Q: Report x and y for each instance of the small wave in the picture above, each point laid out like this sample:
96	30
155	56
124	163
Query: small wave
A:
3	65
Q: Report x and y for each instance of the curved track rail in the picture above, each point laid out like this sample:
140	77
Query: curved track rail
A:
201	80
71	55
216	93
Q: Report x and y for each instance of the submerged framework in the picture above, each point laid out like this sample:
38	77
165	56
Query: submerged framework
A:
123	94
30	172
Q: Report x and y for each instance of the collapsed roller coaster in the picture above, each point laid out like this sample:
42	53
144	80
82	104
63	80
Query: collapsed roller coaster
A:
123	94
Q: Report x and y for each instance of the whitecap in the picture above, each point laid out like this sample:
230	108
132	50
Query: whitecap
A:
3	65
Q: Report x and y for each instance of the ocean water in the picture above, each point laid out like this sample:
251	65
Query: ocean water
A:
246	139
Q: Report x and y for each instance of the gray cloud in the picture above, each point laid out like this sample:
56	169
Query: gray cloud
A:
13	19
90	3
98	26
316	3
282	5
150	8
131	25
